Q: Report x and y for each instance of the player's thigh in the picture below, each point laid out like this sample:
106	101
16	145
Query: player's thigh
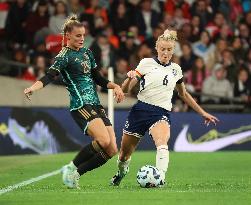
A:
128	146
160	133
97	130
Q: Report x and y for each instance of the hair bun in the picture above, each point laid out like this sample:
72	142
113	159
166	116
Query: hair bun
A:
73	18
170	35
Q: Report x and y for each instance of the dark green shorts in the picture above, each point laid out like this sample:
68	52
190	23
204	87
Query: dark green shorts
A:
87	113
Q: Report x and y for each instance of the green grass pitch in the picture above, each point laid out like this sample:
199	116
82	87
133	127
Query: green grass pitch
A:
193	178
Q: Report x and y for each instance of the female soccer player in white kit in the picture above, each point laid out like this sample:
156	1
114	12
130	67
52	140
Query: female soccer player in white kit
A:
158	78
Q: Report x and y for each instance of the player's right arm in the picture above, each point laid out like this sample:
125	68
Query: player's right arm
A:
134	77
130	82
42	82
49	77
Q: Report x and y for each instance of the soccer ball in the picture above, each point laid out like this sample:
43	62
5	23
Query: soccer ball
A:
148	176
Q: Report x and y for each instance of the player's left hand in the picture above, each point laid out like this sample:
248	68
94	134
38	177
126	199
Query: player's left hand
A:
209	119
118	94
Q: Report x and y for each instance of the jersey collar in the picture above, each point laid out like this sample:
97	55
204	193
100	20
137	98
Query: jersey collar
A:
157	60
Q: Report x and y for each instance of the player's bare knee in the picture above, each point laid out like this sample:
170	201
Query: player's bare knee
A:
104	142
113	151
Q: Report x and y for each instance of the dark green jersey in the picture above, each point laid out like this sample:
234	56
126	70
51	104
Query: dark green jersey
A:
75	68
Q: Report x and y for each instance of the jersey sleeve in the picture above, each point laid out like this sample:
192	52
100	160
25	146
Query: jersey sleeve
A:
92	59
59	64
179	73
141	69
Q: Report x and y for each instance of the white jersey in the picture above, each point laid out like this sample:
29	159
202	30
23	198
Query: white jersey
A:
157	82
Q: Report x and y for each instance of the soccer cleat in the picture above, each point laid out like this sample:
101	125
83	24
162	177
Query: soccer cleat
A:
75	179
162	183
70	176
117	178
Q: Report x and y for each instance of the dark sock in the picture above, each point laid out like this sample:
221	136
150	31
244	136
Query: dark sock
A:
87	153
96	161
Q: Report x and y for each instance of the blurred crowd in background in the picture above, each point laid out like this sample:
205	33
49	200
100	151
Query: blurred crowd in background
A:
213	48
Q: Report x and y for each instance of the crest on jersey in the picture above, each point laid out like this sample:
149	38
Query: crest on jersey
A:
93	112
174	72
126	124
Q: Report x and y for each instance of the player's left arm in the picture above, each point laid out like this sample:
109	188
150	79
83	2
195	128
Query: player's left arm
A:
103	82
188	99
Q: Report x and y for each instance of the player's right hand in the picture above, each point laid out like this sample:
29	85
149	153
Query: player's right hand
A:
131	74
28	92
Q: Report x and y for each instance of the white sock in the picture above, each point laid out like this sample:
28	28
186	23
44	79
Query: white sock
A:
162	159
123	166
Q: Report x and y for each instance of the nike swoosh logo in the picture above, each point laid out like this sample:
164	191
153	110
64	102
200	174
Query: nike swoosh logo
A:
182	145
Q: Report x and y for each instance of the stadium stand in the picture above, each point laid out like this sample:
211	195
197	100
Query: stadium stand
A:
124	31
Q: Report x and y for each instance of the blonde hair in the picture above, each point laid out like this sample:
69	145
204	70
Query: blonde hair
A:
168	35
70	23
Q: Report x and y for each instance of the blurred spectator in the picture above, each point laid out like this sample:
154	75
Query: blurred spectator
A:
146	18
151	42
231	9
28	74
242	87
104	53
185	34
37	20
188	57
120	20
229	64
127	47
40	66
221	45
171	5
197	28
217	85
121	70
247	19
57	20
178	18
113	39
196	76
168	21
248	60
202	9
204	48
214	26
143	51
4	8
96	16
225	33
238	51
40	49
75	7
246	6
20	57
138	39
244	34
16	21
